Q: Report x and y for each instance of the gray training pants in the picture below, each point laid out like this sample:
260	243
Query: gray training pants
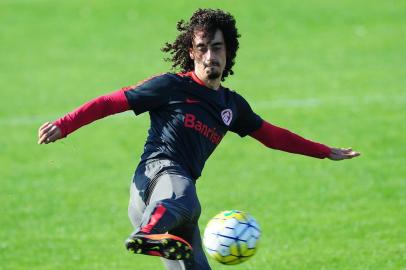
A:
163	199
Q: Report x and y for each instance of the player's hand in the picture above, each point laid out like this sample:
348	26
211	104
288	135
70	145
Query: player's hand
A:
48	133
342	153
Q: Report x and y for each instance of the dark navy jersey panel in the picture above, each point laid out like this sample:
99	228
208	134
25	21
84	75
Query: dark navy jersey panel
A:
247	120
149	95
189	120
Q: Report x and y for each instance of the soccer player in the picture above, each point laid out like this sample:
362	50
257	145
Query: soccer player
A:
190	113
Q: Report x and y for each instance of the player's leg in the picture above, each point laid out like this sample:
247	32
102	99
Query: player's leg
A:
199	258
136	206
190	232
141	189
172	202
168	246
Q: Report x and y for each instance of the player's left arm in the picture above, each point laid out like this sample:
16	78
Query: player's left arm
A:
282	139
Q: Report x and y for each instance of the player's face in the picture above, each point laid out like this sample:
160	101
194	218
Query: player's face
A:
209	55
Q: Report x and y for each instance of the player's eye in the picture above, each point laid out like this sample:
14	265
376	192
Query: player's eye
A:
202	49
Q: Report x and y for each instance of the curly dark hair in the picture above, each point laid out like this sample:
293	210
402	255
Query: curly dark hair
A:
208	21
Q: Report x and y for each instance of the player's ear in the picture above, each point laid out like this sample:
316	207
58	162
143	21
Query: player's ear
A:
191	54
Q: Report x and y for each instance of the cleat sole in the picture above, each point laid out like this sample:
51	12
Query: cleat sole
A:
164	245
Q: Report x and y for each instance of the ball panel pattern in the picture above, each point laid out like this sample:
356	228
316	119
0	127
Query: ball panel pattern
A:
231	237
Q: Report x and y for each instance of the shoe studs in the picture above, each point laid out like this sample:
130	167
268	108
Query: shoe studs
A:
130	241
166	247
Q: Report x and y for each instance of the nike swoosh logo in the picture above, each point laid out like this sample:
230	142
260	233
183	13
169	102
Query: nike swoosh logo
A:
189	100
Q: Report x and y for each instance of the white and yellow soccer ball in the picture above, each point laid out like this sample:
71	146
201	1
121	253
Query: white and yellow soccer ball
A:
231	237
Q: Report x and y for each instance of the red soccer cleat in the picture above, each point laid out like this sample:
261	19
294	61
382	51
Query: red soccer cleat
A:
167	246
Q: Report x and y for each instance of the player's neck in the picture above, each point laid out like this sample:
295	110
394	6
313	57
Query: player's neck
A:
212	84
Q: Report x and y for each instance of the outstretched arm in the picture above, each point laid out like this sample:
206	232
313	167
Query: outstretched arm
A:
91	111
284	140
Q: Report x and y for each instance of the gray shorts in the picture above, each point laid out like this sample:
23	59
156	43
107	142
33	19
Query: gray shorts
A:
158	184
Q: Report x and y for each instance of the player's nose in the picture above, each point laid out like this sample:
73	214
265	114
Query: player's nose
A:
210	56
211	59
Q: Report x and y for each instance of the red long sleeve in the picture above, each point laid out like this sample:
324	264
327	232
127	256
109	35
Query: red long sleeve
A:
93	110
282	139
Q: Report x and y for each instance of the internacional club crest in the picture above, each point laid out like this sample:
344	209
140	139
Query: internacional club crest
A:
227	116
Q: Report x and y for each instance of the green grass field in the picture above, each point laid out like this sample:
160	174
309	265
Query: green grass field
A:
332	71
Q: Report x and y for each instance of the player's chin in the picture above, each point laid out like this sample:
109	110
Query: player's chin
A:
213	74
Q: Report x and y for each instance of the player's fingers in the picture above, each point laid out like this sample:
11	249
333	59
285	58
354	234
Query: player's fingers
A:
337	154
43	125
344	153
51	138
338	157
45	129
333	156
42	128
55	136
353	154
46	133
342	150
341	156
43	138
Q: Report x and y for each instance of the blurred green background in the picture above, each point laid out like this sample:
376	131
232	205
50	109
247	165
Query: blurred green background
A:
332	71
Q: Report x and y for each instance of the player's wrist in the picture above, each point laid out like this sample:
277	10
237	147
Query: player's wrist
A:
63	132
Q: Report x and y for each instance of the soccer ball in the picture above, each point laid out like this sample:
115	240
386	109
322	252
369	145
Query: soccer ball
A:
231	237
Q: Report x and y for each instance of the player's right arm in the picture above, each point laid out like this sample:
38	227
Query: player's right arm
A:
144	96
89	112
